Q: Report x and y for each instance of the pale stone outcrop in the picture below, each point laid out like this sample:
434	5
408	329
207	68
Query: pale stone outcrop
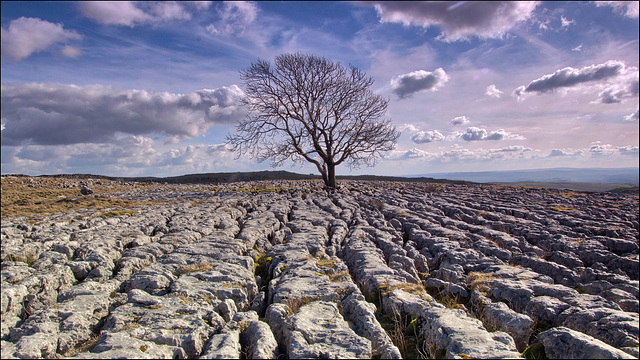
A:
290	269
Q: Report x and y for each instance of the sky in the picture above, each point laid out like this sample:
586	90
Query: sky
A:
153	88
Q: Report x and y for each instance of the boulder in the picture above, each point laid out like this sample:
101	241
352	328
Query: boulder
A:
564	343
318	330
259	341
452	334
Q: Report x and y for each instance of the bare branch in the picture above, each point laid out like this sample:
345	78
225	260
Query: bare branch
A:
307	108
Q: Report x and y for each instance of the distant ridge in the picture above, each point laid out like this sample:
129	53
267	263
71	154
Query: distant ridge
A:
226	177
592	180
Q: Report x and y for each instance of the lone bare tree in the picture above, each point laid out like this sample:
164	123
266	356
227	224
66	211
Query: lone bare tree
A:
307	108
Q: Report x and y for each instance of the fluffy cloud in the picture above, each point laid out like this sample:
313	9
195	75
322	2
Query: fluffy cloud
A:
423	137
622	81
131	155
629	150
565	152
70	51
130	13
492	91
472	134
408	128
25	36
607	150
510	149
627	8
458	20
407	84
632	117
565	22
234	17
477	134
625	87
570	77
519	153
408	154
459	120
48	114
462	154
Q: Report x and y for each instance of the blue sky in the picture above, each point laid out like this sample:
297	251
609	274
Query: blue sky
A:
152	88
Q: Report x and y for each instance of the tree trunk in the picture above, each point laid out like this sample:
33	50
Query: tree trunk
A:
331	175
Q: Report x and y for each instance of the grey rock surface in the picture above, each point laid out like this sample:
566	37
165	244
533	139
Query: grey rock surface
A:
318	330
452	333
285	269
564	343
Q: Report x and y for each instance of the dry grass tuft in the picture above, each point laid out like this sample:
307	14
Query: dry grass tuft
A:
326	263
339	276
84	347
200	267
185	299
33	196
476	281
293	305
411	288
562	208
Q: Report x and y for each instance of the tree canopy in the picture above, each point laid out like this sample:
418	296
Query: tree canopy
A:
307	108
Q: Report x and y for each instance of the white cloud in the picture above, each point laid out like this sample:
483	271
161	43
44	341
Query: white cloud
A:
70	51
410	128
130	13
464	159
472	134
408	154
601	150
169	10
511	149
492	91
114	12
478	134
460	120
565	22
625	87
423	137
407	84
26	36
629	150
627	8
133	155
632	116
235	16
458	20
565	152
608	150
570	77
47	114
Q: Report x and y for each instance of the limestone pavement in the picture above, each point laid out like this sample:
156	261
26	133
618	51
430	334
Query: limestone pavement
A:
293	270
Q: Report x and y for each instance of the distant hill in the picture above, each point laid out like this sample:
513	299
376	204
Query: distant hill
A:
554	175
619	180
281	175
246	176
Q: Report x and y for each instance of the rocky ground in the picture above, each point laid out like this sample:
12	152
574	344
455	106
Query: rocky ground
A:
290	270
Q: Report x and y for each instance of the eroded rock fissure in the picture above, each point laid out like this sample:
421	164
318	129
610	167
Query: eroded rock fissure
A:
371	269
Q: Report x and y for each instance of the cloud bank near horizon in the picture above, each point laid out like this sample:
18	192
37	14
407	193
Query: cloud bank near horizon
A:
55	114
